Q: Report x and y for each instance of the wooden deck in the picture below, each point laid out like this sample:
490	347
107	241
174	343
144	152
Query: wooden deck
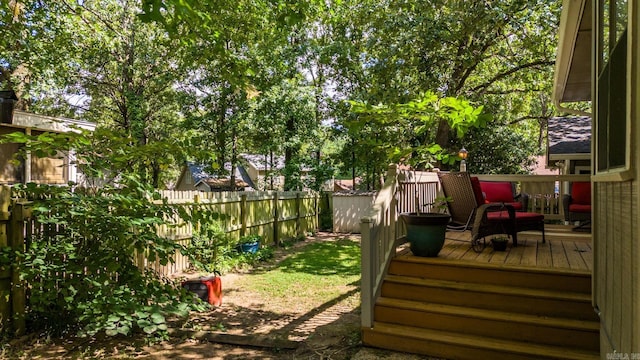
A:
563	249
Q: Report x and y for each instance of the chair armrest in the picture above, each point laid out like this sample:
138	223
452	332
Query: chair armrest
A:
481	226
523	198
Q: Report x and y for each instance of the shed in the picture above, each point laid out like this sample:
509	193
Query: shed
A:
50	170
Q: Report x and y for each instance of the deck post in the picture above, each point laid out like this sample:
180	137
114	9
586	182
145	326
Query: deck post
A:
366	256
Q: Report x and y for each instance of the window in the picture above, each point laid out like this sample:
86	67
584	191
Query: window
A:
611	133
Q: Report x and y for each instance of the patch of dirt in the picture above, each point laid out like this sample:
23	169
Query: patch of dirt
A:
245	326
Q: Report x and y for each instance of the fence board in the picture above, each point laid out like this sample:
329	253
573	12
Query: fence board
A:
5	273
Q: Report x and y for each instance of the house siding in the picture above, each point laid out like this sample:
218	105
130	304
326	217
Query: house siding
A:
617	275
9	173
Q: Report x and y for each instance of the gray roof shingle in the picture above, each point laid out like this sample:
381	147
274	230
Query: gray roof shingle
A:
569	135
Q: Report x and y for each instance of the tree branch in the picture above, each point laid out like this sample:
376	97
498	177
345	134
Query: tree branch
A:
529	117
509	72
95	14
508	91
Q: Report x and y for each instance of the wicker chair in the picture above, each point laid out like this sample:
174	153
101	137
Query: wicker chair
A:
577	205
468	212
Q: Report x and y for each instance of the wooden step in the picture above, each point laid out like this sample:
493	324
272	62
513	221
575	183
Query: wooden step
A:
492	297
467	271
511	326
464	346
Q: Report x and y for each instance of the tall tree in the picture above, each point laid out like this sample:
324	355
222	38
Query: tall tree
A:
34	48
498	53
128	70
282	120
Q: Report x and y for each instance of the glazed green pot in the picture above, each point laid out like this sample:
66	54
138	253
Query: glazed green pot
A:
426	232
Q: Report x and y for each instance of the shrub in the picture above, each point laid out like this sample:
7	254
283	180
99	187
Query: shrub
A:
209	246
82	267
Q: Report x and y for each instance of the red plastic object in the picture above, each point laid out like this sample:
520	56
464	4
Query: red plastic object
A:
208	289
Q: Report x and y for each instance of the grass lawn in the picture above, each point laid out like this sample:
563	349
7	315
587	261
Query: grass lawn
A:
316	274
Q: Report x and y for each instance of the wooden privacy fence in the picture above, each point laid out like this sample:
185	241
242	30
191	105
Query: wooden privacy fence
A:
12	289
272	215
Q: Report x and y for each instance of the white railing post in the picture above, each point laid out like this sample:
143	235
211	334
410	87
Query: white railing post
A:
366	286
375	246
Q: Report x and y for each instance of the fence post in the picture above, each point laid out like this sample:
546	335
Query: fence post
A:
298	213
243	215
5	271
276	215
18	296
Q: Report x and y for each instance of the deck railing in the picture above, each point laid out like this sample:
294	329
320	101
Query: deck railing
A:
382	232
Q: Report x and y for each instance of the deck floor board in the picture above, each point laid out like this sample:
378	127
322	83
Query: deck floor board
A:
563	249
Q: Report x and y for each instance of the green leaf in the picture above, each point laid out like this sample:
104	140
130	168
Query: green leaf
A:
157	318
124	330
150	329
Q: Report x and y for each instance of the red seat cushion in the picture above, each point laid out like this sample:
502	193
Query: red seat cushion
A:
580	208
497	191
477	190
521	217
581	193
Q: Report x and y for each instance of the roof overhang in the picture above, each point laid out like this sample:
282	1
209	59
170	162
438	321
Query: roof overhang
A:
572	77
569	157
25	120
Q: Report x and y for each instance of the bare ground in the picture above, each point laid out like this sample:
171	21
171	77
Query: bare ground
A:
245	326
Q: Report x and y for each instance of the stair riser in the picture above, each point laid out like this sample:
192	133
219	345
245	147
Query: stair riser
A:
492	301
438	349
534	280
503	329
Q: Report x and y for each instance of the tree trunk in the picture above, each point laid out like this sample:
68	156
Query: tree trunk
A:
270	168
353	164
221	129
234	159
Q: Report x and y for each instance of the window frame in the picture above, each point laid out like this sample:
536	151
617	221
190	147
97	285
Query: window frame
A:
626	171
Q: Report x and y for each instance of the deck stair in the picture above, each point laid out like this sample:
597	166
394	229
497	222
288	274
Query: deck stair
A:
465	310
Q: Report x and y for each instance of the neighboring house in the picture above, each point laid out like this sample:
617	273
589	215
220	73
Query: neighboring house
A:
50	170
569	144
598	61
345	185
257	171
265	172
220	185
541	167
196	177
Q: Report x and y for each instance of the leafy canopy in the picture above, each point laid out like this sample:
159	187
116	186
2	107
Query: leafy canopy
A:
413	125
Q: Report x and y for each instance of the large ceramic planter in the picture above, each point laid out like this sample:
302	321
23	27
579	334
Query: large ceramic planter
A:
426	232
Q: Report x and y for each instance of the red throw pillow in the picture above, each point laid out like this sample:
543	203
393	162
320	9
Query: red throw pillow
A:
581	193
497	191
477	190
